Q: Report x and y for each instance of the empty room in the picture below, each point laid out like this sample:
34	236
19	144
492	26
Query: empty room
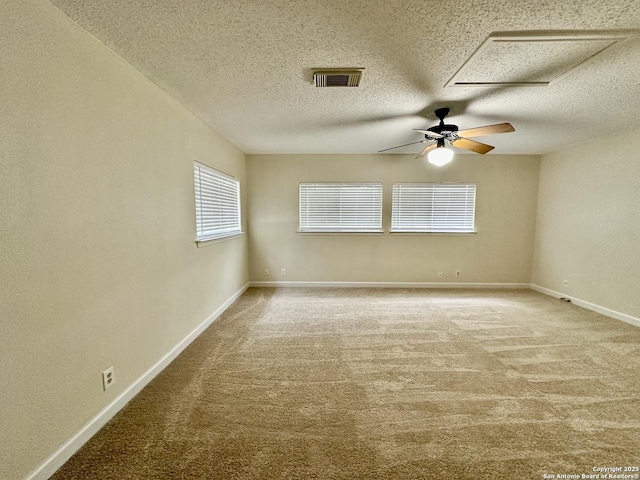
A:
319	240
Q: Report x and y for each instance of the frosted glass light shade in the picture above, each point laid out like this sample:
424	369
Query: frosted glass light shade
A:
440	156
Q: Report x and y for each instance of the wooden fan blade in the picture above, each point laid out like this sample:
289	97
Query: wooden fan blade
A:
430	133
486	130
472	145
399	146
426	150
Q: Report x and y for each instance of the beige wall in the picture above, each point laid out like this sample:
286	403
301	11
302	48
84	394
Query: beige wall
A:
587	227
501	252
97	255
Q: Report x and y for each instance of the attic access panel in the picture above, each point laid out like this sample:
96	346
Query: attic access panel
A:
533	59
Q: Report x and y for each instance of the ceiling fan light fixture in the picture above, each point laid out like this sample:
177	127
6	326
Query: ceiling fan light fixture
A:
440	156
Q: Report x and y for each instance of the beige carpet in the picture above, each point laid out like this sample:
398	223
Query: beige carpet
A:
384	384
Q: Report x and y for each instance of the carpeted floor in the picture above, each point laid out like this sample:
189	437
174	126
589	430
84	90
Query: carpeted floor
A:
384	384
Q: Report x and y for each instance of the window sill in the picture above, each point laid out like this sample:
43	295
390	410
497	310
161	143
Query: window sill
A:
211	241
460	234
340	233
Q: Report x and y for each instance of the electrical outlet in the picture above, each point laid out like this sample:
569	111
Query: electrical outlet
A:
266	272
457	273
565	283
283	272
108	378
439	274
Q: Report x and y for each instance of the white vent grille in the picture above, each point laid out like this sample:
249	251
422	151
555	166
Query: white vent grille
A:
337	77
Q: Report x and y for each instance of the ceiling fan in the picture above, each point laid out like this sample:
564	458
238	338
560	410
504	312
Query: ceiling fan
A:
438	135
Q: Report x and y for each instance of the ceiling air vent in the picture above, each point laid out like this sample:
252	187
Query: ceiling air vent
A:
338	77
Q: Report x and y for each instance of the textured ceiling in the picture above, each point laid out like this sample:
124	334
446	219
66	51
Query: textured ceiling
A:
244	67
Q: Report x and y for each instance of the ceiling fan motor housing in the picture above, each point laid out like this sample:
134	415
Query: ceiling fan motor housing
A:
443	128
441	113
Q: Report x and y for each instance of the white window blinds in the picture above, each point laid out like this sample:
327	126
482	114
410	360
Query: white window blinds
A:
217	203
340	207
433	207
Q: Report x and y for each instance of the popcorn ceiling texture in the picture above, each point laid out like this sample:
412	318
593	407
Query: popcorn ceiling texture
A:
244	67
390	384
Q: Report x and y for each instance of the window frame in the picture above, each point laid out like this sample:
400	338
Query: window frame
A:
441	229
226	202
306	225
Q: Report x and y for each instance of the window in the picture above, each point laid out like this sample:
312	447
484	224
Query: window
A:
433	207
341	207
217	203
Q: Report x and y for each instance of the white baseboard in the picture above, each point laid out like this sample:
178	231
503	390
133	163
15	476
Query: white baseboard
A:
589	306
64	453
390	285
